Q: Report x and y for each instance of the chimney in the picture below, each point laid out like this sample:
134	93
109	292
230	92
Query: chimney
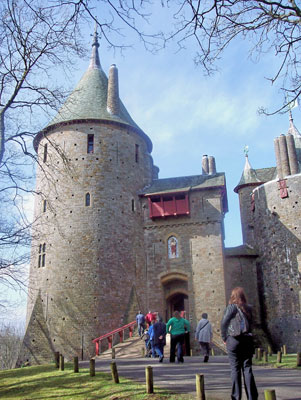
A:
278	158
212	167
292	154
205	165
284	156
113	102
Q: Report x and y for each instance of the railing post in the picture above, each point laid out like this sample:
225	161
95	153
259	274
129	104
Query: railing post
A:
92	367
299	359
270	395
279	357
131	331
110	341
149	380
75	364
57	359
114	372
121	336
97	348
62	363
200	387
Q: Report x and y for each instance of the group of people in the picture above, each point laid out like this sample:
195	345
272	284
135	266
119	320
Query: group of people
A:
236	332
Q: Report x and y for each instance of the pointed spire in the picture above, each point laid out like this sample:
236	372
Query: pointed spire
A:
249	175
94	61
292	129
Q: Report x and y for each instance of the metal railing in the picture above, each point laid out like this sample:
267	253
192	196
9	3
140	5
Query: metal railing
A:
110	336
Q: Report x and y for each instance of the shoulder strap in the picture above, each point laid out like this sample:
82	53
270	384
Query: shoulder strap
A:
204	326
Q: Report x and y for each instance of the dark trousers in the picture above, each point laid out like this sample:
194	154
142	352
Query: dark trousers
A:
240	351
174	341
205	347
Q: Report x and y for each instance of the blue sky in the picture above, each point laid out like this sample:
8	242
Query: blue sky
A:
187	114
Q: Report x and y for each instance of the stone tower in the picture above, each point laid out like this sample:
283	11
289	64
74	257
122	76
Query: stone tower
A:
86	273
270	217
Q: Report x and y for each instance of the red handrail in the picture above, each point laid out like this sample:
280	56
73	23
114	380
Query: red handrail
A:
109	336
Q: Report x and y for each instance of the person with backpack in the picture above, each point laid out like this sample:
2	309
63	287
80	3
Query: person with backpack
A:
236	334
203	334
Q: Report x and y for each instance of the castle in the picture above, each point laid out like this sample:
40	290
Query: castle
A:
110	237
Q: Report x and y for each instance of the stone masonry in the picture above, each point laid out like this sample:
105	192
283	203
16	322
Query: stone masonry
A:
111	238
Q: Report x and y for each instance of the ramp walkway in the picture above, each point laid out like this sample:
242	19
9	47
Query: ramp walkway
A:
181	377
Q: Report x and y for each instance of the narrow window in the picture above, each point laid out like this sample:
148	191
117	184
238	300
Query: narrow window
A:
43	254
40	256
44	205
133	205
137	153
90	145
45	153
88	200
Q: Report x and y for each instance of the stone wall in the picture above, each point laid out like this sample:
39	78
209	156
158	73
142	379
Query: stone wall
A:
94	254
240	270
277	228
199	269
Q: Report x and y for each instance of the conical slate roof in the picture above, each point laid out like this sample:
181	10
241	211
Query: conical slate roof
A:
248	177
88	101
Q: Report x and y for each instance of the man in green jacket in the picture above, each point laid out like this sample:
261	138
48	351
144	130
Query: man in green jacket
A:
177	328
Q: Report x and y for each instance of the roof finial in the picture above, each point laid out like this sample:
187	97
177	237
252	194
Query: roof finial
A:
246	150
95	62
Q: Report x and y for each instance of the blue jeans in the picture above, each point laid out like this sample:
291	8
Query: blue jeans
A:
240	351
140	329
153	348
159	349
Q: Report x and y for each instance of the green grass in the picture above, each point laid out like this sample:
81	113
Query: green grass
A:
45	382
288	361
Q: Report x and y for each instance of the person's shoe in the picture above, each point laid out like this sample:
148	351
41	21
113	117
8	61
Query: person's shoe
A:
161	359
206	358
181	360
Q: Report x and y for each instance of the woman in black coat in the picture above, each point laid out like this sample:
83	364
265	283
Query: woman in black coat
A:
159	329
236	334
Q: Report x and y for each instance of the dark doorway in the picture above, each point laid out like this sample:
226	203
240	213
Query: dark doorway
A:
177	302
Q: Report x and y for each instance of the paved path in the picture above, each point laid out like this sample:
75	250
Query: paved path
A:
181	377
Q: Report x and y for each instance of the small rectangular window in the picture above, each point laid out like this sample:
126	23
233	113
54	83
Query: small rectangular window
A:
87	200
90	144
45	153
137	153
44	205
42	255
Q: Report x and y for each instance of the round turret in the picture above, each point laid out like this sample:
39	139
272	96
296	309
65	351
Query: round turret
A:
88	239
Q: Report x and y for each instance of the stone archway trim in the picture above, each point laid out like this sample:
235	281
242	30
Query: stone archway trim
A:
176	291
173	276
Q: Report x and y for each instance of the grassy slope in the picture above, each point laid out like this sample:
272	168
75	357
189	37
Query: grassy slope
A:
288	361
47	383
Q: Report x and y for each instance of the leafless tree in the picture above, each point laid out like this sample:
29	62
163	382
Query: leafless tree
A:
267	27
38	40
10	342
